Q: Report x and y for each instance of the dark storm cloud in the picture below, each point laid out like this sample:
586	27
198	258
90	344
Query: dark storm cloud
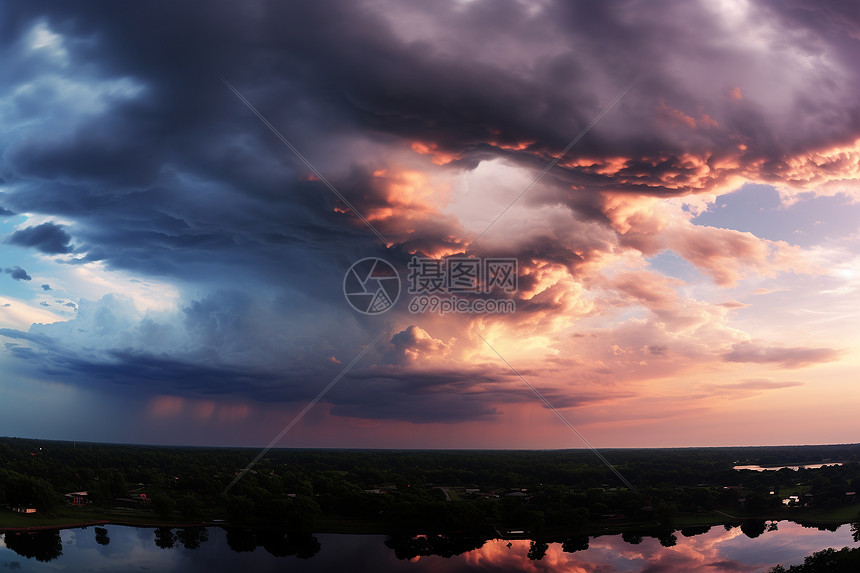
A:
47	238
5	212
46	287
18	273
165	173
182	174
219	332
401	395
321	82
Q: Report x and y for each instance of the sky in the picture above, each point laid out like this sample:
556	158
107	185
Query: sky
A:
184	188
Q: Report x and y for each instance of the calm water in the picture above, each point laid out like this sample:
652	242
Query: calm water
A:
795	468
118	548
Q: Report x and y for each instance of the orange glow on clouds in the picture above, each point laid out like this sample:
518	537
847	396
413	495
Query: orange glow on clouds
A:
436	156
519	146
200	410
166	406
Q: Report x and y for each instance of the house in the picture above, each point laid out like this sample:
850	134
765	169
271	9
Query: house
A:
850	496
24	509
78	497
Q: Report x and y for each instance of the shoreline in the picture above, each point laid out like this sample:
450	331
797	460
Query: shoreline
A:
83	524
371	528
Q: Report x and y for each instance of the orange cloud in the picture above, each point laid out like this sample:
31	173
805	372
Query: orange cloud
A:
414	344
676	116
436	156
824	172
518	146
650	224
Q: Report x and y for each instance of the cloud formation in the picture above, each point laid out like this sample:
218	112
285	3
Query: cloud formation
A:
785	357
47	238
18	273
130	160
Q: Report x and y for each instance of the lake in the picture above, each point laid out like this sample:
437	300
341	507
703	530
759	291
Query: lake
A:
795	468
121	548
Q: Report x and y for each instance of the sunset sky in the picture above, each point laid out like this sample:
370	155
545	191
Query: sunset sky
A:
173	273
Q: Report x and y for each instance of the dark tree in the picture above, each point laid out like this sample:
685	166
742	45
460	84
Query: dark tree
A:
668	539
577	543
752	528
192	537
845	560
164	538
240	539
537	550
408	546
40	545
281	544
631	538
102	537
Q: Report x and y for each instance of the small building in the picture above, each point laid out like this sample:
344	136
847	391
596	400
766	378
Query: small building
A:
78	497
512	533
24	509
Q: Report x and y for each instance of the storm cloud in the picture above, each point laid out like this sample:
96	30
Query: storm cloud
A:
18	273
47	238
131	160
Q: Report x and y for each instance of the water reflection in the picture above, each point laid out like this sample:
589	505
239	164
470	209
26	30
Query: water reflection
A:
39	545
410	547
757	468
752	546
102	537
192	537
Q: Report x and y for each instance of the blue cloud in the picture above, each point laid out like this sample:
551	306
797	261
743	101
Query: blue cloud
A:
47	238
18	273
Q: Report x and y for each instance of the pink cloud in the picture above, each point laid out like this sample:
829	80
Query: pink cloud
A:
784	357
414	344
750	386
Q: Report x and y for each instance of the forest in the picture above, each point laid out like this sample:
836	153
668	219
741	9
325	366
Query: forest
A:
554	493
